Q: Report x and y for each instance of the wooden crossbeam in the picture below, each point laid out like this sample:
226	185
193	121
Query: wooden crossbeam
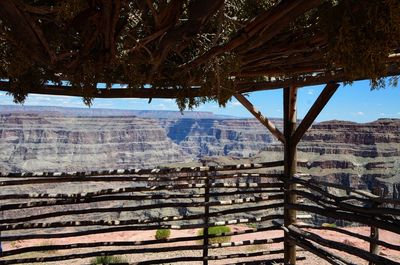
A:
314	111
256	113
129	92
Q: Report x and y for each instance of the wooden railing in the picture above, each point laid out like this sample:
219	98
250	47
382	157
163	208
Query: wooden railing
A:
337	202
84	203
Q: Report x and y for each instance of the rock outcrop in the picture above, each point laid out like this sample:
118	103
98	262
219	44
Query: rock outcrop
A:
353	154
216	137
36	142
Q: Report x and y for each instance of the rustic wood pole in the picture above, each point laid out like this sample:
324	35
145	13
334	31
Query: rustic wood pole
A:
206	218
374	236
290	117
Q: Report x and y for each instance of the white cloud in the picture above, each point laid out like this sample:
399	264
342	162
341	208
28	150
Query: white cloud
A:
236	104
310	92
360	113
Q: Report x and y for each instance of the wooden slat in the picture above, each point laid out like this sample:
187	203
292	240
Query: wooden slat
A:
142	243
261	118
87	223
312	183
370	211
350	216
88	197
352	234
150	171
238	185
138	228
65	213
83	176
264	262
296	232
36	204
246	255
325	254
314	111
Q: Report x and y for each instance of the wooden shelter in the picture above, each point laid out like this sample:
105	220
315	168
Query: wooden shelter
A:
201	50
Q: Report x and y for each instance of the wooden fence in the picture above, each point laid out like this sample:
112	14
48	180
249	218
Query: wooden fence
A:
39	207
339	203
94	203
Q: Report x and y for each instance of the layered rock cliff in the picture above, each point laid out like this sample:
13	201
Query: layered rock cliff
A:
353	154
37	142
358	155
216	137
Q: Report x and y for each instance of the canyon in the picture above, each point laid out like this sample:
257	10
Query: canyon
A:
66	139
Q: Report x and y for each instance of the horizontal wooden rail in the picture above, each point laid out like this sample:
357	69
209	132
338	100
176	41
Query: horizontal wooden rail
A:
296	232
352	217
153	171
325	254
264	262
352	234
87	223
308	182
134	243
133	209
246	255
139	228
143	250
89	196
367	210
48	180
239	185
82	200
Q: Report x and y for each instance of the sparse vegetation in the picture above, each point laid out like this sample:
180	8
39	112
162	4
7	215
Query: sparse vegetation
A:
163	234
47	243
333	225
251	225
217	230
106	260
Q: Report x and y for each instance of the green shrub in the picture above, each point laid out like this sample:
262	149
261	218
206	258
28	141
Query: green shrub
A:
332	225
162	234
252	225
106	260
216	230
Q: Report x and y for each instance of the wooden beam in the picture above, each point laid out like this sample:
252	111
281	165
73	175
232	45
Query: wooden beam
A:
290	168
310	79
314	111
361	253
256	113
325	254
62	90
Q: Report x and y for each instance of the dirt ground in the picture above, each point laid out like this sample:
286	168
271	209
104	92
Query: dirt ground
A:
149	235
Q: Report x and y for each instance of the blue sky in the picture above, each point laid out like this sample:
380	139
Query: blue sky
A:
355	102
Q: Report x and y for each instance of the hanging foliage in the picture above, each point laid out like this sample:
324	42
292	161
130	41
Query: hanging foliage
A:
363	34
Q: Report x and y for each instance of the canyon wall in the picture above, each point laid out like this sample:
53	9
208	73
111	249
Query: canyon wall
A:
57	139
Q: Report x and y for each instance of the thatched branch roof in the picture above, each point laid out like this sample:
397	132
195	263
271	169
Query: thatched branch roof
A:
188	48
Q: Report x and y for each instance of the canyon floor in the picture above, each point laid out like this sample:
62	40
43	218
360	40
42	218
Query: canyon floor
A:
148	235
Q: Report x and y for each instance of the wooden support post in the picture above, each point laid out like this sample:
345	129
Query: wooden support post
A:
314	111
261	118
206	219
290	118
374	236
